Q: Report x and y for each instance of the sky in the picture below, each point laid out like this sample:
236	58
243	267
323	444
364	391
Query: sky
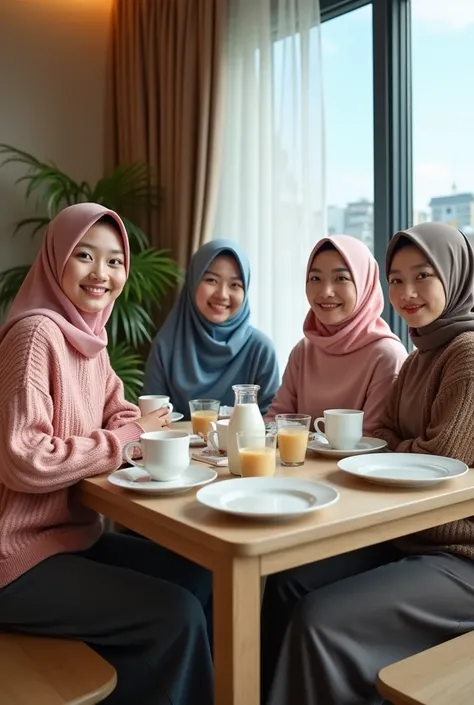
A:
443	101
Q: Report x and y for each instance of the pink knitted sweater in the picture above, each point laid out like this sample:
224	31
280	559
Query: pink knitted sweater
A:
62	418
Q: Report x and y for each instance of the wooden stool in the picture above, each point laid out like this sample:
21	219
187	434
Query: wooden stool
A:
42	671
443	675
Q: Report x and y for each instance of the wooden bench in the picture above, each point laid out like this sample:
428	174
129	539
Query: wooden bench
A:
443	675
43	671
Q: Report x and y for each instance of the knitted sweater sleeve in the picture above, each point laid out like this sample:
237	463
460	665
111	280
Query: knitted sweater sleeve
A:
36	460
36	456
449	430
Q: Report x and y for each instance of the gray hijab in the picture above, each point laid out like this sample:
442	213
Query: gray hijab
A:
452	256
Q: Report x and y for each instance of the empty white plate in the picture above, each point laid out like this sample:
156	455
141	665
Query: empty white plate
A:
193	476
365	445
176	416
268	497
404	469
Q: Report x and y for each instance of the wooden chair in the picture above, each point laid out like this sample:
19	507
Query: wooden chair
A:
43	671
443	675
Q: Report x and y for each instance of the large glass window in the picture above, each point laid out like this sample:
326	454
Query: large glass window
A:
443	109
348	96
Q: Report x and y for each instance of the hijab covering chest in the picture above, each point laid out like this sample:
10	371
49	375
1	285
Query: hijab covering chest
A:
197	357
365	325
41	292
449	251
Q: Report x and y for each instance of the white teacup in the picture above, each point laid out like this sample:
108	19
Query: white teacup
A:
165	453
152	402
342	427
217	436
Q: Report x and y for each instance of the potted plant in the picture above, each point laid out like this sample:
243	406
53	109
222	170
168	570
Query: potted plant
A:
126	190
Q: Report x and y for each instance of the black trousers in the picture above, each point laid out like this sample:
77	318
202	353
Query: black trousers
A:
138	605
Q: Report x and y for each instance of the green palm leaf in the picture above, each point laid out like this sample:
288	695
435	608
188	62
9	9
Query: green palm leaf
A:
10	282
128	365
39	224
130	322
54	188
137	238
127	186
152	274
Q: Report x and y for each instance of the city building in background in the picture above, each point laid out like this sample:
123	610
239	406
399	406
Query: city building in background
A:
336	220
357	217
421	217
359	221
456	209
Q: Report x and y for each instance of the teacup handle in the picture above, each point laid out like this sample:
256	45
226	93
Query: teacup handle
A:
126	453
213	439
168	406
316	426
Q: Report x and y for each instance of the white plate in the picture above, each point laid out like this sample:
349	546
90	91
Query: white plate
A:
268	497
193	476
404	469
365	445
176	416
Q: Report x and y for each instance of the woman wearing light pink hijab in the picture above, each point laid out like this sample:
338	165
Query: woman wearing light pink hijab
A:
348	354
348	359
63	417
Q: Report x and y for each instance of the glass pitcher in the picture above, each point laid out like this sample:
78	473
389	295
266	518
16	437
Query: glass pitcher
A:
245	417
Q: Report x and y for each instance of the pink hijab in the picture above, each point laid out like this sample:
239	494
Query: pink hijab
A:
365	325
41	292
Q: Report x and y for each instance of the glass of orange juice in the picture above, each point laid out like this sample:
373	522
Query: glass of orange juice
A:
293	433
257	453
203	413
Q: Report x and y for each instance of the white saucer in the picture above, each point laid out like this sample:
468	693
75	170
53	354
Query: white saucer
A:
365	445
404	469
176	416
268	497
193	476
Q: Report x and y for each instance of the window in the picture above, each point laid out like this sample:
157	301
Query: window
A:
348	96
443	106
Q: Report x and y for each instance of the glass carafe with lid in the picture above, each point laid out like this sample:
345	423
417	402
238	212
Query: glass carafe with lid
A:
246	417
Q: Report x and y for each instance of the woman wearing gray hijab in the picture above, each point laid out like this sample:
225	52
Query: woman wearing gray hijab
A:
328	628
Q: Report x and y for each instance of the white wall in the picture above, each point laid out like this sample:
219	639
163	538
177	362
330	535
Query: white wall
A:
52	98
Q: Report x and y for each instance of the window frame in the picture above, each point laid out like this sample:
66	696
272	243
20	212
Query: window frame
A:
392	120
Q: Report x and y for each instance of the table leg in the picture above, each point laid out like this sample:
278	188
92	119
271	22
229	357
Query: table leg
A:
237	631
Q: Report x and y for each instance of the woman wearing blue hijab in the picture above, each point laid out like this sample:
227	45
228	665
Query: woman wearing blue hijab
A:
207	343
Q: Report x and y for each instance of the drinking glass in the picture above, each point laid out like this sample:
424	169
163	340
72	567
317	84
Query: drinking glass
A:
203	413
257	453
293	433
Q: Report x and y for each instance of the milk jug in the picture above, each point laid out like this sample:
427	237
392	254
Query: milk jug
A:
246	417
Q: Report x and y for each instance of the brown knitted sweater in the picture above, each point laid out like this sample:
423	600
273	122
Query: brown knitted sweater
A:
448	423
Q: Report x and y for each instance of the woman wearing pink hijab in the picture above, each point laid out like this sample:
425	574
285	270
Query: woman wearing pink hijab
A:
348	354
63	417
348	359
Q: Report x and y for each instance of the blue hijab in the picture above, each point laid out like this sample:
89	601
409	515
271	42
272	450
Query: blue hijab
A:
192	358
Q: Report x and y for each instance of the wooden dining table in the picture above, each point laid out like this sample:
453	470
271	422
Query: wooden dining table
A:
240	551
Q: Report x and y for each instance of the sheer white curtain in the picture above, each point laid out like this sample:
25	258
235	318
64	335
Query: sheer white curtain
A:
271	195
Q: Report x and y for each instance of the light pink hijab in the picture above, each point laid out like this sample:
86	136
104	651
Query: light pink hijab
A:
365	325
41	292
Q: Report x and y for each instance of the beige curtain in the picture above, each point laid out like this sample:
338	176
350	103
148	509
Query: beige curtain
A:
165	107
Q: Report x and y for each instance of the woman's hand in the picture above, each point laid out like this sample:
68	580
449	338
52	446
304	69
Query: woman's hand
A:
155	421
